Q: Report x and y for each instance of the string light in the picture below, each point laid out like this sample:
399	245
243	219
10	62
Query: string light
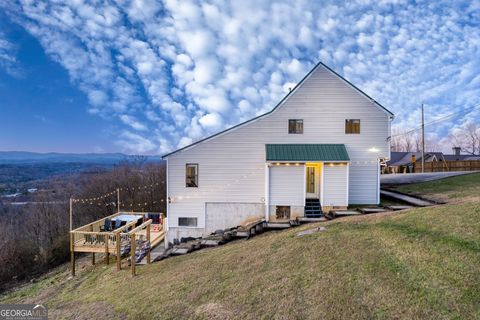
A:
93	200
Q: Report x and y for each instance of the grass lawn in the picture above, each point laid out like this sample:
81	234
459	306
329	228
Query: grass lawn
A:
458	187
422	263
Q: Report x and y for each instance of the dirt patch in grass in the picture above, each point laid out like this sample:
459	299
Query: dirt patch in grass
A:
214	311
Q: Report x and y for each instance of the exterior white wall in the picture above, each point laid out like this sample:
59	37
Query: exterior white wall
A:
363	182
286	185
335	180
232	164
223	215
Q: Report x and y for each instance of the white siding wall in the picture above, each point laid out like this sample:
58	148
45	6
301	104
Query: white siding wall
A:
363	182
287	185
232	165
335	181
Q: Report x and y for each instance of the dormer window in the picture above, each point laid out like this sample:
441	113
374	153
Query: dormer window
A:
295	126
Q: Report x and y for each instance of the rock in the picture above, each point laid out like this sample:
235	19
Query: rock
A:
179	251
210	243
311	231
187	239
243	234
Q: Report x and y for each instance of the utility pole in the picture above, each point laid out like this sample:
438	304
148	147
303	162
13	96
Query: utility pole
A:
423	140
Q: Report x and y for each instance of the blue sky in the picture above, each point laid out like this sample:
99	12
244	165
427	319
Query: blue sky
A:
150	76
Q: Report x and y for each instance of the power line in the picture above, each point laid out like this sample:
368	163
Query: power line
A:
444	118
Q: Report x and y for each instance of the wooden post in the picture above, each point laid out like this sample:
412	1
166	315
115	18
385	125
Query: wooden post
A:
118	200
71	214
119	258
72	253
132	249
107	254
93	258
148	239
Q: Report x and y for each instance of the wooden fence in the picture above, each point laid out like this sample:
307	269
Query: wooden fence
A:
440	166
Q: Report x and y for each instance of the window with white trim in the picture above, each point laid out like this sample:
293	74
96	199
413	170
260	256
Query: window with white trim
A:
191	175
295	126
352	126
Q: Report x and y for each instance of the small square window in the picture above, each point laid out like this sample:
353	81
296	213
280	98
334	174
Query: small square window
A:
352	126
191	175
187	222
283	212
295	126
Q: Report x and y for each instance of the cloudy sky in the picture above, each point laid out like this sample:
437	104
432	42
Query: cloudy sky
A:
150	76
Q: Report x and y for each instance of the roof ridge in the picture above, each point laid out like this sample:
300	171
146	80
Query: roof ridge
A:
320	63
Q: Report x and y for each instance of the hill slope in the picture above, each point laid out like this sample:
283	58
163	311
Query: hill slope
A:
421	263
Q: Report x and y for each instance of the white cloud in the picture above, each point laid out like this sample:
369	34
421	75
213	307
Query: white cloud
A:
132	122
136	143
211	120
8	61
185	69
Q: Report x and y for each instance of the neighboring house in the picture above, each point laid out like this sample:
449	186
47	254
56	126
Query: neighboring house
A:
457	156
403	162
319	149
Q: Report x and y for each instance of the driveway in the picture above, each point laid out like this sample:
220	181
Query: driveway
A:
406	178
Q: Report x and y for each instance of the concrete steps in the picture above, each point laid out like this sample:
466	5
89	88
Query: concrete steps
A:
344	213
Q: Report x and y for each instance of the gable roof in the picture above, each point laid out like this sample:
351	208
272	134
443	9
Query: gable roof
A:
460	157
403	158
306	152
280	103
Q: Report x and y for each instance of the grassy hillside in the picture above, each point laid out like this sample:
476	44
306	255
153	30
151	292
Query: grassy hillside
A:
422	263
449	189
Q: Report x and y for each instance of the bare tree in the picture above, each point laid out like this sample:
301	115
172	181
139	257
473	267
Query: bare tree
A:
403	141
467	138
35	236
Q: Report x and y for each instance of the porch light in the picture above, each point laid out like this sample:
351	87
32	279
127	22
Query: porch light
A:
297	164
373	149
278	163
287	164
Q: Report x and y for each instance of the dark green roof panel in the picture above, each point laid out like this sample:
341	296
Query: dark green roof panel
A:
306	152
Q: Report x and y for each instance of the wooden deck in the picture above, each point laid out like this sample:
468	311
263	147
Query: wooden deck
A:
122	241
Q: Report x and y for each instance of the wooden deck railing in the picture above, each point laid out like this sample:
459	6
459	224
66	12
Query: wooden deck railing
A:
133	243
89	238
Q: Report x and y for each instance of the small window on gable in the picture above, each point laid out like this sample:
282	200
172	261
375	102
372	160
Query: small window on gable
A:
295	126
191	175
187	222
352	126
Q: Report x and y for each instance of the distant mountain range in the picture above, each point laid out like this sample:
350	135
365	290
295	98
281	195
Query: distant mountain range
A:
34	157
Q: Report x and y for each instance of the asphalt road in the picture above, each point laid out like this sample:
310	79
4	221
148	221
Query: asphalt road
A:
405	178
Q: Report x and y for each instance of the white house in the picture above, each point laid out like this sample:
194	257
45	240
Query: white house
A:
319	149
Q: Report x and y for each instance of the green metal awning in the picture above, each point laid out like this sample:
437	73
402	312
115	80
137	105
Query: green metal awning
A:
306	152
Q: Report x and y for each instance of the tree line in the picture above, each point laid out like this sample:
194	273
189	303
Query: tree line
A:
35	236
467	138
